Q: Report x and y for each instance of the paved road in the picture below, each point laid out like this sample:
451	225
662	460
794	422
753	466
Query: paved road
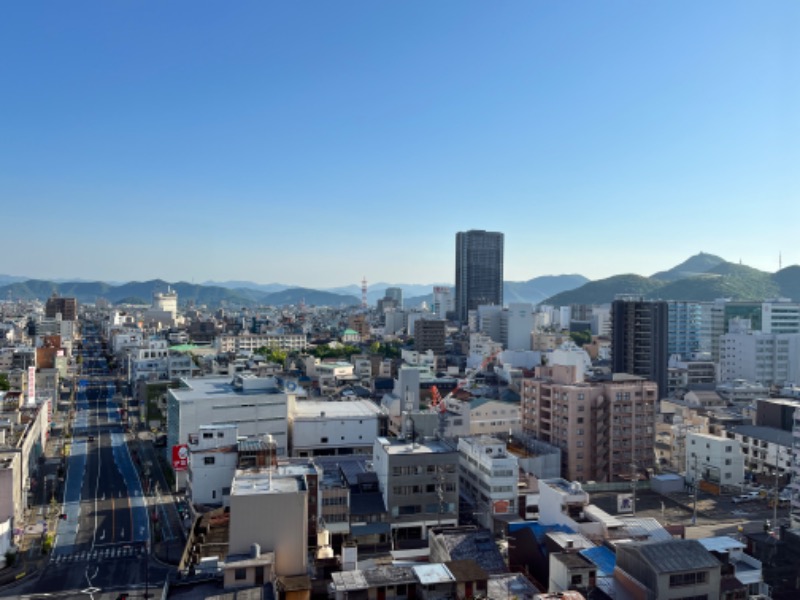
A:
102	545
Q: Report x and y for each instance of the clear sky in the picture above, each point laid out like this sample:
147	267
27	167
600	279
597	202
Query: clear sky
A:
314	143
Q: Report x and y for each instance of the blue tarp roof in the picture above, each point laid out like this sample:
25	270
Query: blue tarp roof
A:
603	557
539	530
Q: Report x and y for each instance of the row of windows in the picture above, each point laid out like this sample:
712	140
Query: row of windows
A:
416	509
430	488
422	470
692	578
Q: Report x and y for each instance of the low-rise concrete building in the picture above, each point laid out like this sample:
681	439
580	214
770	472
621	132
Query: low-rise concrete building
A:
270	510
322	428
419	483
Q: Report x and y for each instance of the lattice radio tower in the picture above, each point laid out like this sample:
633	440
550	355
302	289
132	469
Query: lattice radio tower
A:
364	292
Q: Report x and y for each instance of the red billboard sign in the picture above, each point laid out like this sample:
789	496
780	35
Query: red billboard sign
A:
180	457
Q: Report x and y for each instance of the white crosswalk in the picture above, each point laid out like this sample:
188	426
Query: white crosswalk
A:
98	554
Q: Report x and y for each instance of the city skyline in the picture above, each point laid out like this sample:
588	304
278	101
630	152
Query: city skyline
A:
276	144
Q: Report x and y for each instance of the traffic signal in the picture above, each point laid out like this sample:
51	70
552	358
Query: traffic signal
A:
63	516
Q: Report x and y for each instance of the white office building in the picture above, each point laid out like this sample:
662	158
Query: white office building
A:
714	459
766	450
212	464
488	475
766	358
321	428
257	405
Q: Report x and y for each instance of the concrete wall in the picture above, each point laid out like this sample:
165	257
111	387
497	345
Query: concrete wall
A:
276	521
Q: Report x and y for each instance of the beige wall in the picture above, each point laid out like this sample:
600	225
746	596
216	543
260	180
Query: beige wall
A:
276	521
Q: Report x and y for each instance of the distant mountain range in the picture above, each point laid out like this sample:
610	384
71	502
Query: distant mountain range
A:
245	293
702	277
208	295
699	278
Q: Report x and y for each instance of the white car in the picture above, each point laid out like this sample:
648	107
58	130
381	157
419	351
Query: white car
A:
748	497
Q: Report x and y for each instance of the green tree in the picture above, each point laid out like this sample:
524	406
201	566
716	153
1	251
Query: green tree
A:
273	354
581	337
5	385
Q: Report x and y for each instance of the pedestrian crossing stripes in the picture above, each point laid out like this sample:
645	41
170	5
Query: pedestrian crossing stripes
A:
98	554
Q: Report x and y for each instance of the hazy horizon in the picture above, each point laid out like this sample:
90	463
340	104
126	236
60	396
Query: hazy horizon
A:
357	284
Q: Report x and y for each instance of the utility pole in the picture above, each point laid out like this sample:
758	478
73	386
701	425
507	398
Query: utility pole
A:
695	481
775	492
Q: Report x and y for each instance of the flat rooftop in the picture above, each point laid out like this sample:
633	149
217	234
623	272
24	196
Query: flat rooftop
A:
419	447
213	387
309	409
259	482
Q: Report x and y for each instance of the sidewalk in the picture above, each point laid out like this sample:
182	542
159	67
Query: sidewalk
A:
167	530
41	518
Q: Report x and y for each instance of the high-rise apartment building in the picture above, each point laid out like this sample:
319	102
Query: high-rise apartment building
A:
605	430
66	307
479	270
639	340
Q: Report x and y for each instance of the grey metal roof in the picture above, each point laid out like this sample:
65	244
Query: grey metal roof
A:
672	556
478	545
768	434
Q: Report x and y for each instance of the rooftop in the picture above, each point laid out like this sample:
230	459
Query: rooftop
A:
432	574
511	586
212	387
307	409
671	556
767	434
260	482
420	447
476	544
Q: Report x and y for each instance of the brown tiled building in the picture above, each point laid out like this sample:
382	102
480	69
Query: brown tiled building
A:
603	428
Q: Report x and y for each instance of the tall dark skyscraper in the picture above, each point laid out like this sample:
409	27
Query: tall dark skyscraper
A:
479	270
639	340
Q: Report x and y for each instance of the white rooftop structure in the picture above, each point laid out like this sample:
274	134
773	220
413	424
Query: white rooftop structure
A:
261	482
334	410
432	574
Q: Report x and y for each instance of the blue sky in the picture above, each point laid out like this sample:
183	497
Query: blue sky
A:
314	143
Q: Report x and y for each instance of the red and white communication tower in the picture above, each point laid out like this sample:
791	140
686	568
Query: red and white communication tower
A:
364	292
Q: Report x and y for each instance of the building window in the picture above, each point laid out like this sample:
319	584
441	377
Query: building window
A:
208	460
577	579
728	448
323	440
240	574
207	435
693	578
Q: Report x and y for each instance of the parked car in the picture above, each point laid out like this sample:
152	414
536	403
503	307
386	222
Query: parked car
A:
748	497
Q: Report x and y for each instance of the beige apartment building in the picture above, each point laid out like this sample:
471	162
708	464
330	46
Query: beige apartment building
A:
603	428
